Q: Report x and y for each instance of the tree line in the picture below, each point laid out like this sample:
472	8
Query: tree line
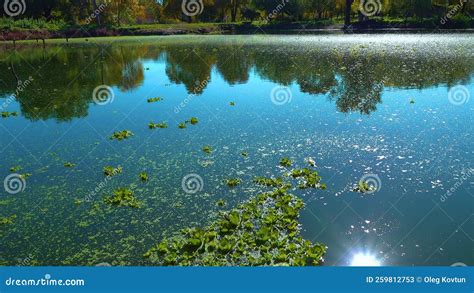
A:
120	12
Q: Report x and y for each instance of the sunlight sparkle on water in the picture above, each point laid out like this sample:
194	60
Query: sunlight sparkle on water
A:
364	260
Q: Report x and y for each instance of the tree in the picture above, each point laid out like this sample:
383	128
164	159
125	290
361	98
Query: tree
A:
235	5
97	17
249	14
347	14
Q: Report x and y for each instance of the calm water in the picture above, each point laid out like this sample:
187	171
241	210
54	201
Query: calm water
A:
393	107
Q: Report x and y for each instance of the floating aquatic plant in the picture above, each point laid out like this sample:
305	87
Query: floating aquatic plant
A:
311	162
412	101
111	171
207	149
232	103
7	220
121	135
123	197
270	182
152	125
286	162
69	165
310	179
263	231
232	182
143	176
8	114
154	100
363	187
25	175
15	169
193	120
244	154
221	203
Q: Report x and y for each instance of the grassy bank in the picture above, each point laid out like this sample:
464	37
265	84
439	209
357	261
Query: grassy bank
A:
25	29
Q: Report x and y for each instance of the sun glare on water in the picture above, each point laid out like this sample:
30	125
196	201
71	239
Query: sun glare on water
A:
365	260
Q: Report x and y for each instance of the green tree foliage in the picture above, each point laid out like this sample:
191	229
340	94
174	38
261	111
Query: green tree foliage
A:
123	12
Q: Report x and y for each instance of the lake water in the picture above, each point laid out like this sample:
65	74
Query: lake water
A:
393	109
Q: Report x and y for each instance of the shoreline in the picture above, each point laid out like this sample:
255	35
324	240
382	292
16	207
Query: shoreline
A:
8	36
57	37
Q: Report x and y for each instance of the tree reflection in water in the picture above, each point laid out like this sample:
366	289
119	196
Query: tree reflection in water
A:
352	76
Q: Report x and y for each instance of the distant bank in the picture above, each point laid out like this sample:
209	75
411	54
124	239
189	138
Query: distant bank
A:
427	26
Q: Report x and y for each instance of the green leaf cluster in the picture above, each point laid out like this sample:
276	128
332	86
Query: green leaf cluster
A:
110	171
308	178
121	135
263	231
123	197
